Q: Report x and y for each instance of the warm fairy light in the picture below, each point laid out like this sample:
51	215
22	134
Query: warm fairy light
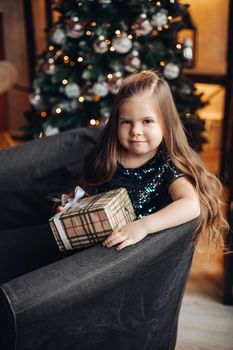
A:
40	134
188	115
112	48
66	58
101	37
158	3
58	110
117	32
97	122
166	26
107	41
109	76
89	66
93	24
51	60
88	32
43	114
79	59
178	46
51	47
92	121
170	18
162	63
159	29
64	81
130	36
81	99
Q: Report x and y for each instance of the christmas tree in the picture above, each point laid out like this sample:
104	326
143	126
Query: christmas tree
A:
93	45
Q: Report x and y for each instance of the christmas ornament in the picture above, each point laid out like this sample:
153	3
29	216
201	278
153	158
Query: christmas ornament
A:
114	82
122	44
75	28
160	18
50	130
103	2
171	71
188	52
58	36
100	89
35	99
132	61
100	45
142	25
49	68
72	90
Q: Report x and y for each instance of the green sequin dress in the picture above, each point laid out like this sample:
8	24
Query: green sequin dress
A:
148	184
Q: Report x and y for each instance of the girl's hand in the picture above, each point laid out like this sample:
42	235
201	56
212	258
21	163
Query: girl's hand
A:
127	235
59	208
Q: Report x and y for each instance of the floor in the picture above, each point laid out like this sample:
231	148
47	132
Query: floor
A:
205	323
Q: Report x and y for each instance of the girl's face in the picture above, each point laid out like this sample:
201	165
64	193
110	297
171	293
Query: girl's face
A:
139	128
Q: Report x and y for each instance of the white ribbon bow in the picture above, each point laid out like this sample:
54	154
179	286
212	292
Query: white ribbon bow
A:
73	202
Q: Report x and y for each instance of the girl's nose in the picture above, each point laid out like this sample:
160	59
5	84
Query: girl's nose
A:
136	130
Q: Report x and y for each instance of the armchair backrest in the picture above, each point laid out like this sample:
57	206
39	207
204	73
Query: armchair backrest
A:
32	172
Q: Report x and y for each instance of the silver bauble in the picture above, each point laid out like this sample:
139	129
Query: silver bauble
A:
100	89
171	71
122	44
72	90
58	36
160	18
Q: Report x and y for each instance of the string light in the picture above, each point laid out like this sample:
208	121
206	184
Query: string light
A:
72	63
130	36
51	47
92	121
51	60
166	26
178	46
159	29
188	115
162	63
88	32
66	58
107	41
89	66
81	99
112	48
93	24
40	134
109	76
43	114
101	37
170	18
158	3
58	110
79	59
64	81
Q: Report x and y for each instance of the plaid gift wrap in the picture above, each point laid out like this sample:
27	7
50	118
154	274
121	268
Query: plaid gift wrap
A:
92	219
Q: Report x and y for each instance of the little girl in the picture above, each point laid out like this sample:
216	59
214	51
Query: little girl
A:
144	149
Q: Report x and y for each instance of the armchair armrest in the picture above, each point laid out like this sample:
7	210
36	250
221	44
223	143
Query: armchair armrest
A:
101	298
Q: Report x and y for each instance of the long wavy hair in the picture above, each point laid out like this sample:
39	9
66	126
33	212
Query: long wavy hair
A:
101	163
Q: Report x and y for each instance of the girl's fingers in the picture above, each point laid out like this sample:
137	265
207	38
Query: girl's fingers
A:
60	208
124	244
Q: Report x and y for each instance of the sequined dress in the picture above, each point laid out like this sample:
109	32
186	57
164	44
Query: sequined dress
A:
148	184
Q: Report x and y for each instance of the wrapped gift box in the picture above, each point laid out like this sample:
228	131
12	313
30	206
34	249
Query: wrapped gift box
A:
92	220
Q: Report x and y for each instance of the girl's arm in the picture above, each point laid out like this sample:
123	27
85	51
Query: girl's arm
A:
185	207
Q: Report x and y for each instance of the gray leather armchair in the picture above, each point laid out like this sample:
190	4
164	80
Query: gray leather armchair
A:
93	299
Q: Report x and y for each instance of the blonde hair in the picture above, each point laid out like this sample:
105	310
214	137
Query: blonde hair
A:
101	163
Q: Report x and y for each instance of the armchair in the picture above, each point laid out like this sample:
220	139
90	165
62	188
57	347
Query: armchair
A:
93	299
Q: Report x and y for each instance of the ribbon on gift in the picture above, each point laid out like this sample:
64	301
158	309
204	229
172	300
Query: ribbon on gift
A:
71	202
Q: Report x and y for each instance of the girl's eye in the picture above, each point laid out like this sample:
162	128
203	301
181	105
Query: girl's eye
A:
148	121
124	122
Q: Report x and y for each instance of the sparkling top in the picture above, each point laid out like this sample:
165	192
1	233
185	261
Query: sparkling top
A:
148	184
